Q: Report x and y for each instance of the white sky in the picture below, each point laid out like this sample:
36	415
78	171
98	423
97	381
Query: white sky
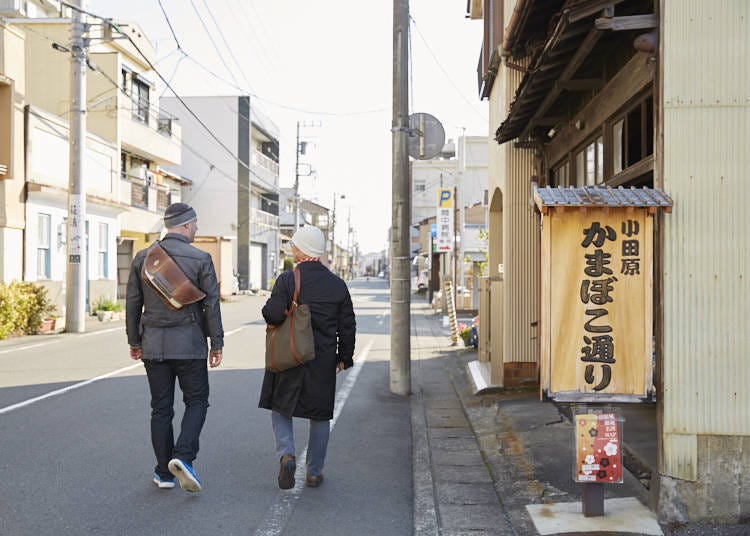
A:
323	63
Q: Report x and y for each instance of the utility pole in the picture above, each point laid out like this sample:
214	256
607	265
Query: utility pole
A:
348	244
333	232
296	182
75	276
400	363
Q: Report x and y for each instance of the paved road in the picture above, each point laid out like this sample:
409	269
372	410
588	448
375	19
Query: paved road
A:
80	462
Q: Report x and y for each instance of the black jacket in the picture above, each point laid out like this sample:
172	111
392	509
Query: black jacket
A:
309	390
166	334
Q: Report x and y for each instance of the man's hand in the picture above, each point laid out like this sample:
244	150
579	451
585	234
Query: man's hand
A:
339	366
214	358
135	353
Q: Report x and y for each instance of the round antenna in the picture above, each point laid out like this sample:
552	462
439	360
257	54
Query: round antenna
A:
426	136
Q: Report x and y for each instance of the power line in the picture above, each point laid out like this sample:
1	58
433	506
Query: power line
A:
170	25
198	153
211	39
444	71
229	49
259	19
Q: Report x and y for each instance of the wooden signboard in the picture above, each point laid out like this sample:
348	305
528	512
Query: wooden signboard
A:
597	279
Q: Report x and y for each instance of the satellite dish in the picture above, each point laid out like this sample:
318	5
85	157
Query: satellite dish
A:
426	136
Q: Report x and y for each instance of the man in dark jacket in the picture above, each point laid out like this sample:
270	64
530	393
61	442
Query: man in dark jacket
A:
172	344
309	390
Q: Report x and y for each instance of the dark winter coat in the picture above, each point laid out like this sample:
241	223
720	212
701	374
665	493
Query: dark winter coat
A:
166	334
309	390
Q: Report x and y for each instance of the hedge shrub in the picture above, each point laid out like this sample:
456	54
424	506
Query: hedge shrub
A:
23	306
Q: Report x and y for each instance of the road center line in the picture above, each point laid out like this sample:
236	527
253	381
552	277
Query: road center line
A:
281	509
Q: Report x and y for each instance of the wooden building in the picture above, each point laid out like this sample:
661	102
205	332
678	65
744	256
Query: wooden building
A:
635	93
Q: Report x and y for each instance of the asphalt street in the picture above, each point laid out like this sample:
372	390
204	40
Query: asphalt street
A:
76	458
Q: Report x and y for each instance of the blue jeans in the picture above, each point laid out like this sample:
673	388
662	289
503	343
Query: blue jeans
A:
317	444
193	377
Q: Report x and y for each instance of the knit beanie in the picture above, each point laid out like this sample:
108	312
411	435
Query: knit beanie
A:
179	214
310	241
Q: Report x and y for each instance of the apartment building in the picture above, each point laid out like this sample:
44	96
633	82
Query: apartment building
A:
12	171
128	140
231	158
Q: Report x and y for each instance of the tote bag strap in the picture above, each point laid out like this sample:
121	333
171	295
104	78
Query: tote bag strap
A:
296	287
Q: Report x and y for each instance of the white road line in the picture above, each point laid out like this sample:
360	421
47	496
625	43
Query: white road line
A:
59	339
85	382
66	389
281	509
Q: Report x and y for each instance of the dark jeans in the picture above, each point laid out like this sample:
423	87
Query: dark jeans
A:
193	377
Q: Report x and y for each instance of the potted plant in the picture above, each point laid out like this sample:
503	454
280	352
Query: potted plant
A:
106	309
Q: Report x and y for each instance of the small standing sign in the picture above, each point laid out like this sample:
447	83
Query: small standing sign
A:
597	292
598	439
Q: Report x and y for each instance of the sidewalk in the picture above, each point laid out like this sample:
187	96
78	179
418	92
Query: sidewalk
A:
498	463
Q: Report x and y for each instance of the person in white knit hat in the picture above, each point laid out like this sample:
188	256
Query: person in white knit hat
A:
308	391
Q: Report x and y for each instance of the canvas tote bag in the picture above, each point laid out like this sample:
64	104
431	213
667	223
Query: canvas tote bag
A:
291	343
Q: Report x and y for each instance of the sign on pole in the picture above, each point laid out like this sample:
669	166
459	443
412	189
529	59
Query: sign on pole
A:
445	229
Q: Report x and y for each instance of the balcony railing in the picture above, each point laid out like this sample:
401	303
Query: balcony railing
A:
259	159
258	217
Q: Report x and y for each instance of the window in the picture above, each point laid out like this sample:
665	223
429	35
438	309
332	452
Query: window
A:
102	250
123	166
561	175
633	135
43	246
140	100
124	80
590	163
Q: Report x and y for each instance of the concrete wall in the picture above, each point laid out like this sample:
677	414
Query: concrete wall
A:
213	193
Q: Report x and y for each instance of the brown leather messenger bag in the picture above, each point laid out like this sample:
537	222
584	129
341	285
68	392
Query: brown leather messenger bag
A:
166	278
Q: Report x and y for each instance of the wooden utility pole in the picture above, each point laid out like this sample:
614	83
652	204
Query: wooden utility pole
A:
400	363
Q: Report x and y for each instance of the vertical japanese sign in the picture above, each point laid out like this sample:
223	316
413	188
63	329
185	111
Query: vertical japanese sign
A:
597	301
75	231
598	448
445	230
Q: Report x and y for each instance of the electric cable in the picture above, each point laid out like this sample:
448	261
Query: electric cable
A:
434	57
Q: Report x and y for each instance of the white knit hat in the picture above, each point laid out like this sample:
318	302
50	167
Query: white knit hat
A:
310	241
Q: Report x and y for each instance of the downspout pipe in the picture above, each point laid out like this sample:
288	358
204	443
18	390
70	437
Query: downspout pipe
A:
513	26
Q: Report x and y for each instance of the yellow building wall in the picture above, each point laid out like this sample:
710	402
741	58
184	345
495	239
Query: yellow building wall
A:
103	97
12	102
45	64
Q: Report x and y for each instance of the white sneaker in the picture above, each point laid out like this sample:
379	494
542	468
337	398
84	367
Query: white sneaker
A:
163	483
185	474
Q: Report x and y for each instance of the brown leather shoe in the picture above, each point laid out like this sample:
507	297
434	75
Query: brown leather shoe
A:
313	481
287	466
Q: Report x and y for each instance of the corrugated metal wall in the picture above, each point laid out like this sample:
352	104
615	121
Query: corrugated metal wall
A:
706	100
520	249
